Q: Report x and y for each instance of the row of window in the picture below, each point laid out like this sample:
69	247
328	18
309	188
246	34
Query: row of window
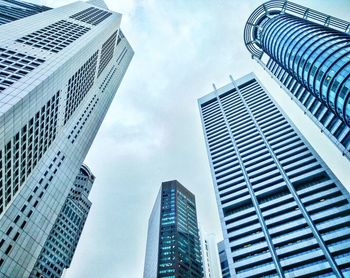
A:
13	66
78	127
338	131
91	15
30	205
22	153
107	52
80	84
245	230
55	37
316	202
321	59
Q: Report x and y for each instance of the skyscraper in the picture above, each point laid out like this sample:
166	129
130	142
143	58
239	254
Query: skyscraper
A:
59	72
210	255
225	271
60	246
308	54
173	246
283	212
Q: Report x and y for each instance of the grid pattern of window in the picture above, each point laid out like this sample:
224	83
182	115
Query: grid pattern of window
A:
329	123
83	119
13	66
92	16
281	204
79	85
107	52
11	10
166	259
189	253
60	246
26	148
107	79
28	208
55	37
179	246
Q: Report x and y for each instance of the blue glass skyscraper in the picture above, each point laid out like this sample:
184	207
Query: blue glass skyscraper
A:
283	212
308	54
173	245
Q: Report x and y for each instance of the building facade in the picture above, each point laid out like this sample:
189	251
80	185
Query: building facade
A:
308	54
173	245
210	255
59	248
59	72
225	271
283	212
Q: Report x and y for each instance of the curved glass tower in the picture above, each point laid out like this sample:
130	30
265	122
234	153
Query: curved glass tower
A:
309	54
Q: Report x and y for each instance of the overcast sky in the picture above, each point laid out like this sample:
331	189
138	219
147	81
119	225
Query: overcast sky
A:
152	132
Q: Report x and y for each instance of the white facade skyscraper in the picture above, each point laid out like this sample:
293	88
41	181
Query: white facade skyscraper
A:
283	212
210	255
59	71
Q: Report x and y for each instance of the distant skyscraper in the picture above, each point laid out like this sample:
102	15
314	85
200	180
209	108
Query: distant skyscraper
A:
283	212
225	271
308	54
173	247
60	246
210	255
59	71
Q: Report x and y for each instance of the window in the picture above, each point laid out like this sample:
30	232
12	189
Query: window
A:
55	37
31	152
9	230
91	15
107	52
15	65
79	85
8	249
83	119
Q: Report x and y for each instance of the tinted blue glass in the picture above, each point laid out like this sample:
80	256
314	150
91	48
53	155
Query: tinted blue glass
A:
313	54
